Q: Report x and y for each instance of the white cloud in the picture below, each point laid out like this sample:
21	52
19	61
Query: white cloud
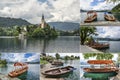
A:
31	10
20	57
86	5
109	32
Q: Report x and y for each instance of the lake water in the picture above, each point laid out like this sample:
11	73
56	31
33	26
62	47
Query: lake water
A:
114	46
32	74
95	76
60	44
100	16
76	74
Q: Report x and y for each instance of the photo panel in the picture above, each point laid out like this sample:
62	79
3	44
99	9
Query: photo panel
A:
19	66
60	66
100	39
53	27
99	66
99	12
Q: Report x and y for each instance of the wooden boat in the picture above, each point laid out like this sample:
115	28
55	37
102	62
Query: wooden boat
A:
91	16
20	68
58	71
99	46
57	63
104	69
109	17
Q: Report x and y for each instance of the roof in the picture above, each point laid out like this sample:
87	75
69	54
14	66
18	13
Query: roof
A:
100	61
19	64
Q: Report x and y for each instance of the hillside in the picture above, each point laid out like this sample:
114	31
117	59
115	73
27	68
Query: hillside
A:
9	22
64	26
116	9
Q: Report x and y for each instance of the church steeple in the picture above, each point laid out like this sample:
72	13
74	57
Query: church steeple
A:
42	16
43	23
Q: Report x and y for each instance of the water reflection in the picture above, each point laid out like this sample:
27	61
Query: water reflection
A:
60	44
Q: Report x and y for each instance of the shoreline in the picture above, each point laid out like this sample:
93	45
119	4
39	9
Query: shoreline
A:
101	23
6	77
87	49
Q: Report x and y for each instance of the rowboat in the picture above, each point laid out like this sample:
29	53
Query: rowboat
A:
20	68
91	16
57	63
100	46
103	69
58	71
109	17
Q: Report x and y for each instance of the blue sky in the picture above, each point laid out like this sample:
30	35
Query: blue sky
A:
96	2
96	5
21	57
31	10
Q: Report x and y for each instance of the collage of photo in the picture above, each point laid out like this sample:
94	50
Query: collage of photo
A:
59	40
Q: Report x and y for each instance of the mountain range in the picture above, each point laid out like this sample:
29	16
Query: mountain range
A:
64	26
9	22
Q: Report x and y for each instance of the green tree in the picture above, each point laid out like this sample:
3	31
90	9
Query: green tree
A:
86	32
18	29
38	32
114	1
66	57
57	56
99	56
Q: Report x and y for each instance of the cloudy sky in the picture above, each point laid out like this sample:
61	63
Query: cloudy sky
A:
31	10
108	31
21	57
96	5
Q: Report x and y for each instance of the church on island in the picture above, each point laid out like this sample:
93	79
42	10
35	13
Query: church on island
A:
43	22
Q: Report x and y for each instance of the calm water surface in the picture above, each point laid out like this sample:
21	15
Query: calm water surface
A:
76	74
32	74
60	44
114	46
95	76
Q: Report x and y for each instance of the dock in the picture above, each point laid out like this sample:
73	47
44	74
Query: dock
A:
6	77
87	49
101	23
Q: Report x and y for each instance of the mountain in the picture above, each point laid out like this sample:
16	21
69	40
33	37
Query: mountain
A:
116	9
108	39
9	22
64	26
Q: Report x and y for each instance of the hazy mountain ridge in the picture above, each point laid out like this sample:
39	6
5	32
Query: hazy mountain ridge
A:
10	22
64	26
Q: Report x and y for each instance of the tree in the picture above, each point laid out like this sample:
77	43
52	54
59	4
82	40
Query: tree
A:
86	32
18	29
38	32
99	56
114	1
57	56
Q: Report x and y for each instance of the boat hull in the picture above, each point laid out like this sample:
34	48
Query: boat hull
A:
107	18
105	70
17	74
58	71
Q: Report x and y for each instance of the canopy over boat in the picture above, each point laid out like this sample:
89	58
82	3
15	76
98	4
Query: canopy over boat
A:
20	68
100	61
19	64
